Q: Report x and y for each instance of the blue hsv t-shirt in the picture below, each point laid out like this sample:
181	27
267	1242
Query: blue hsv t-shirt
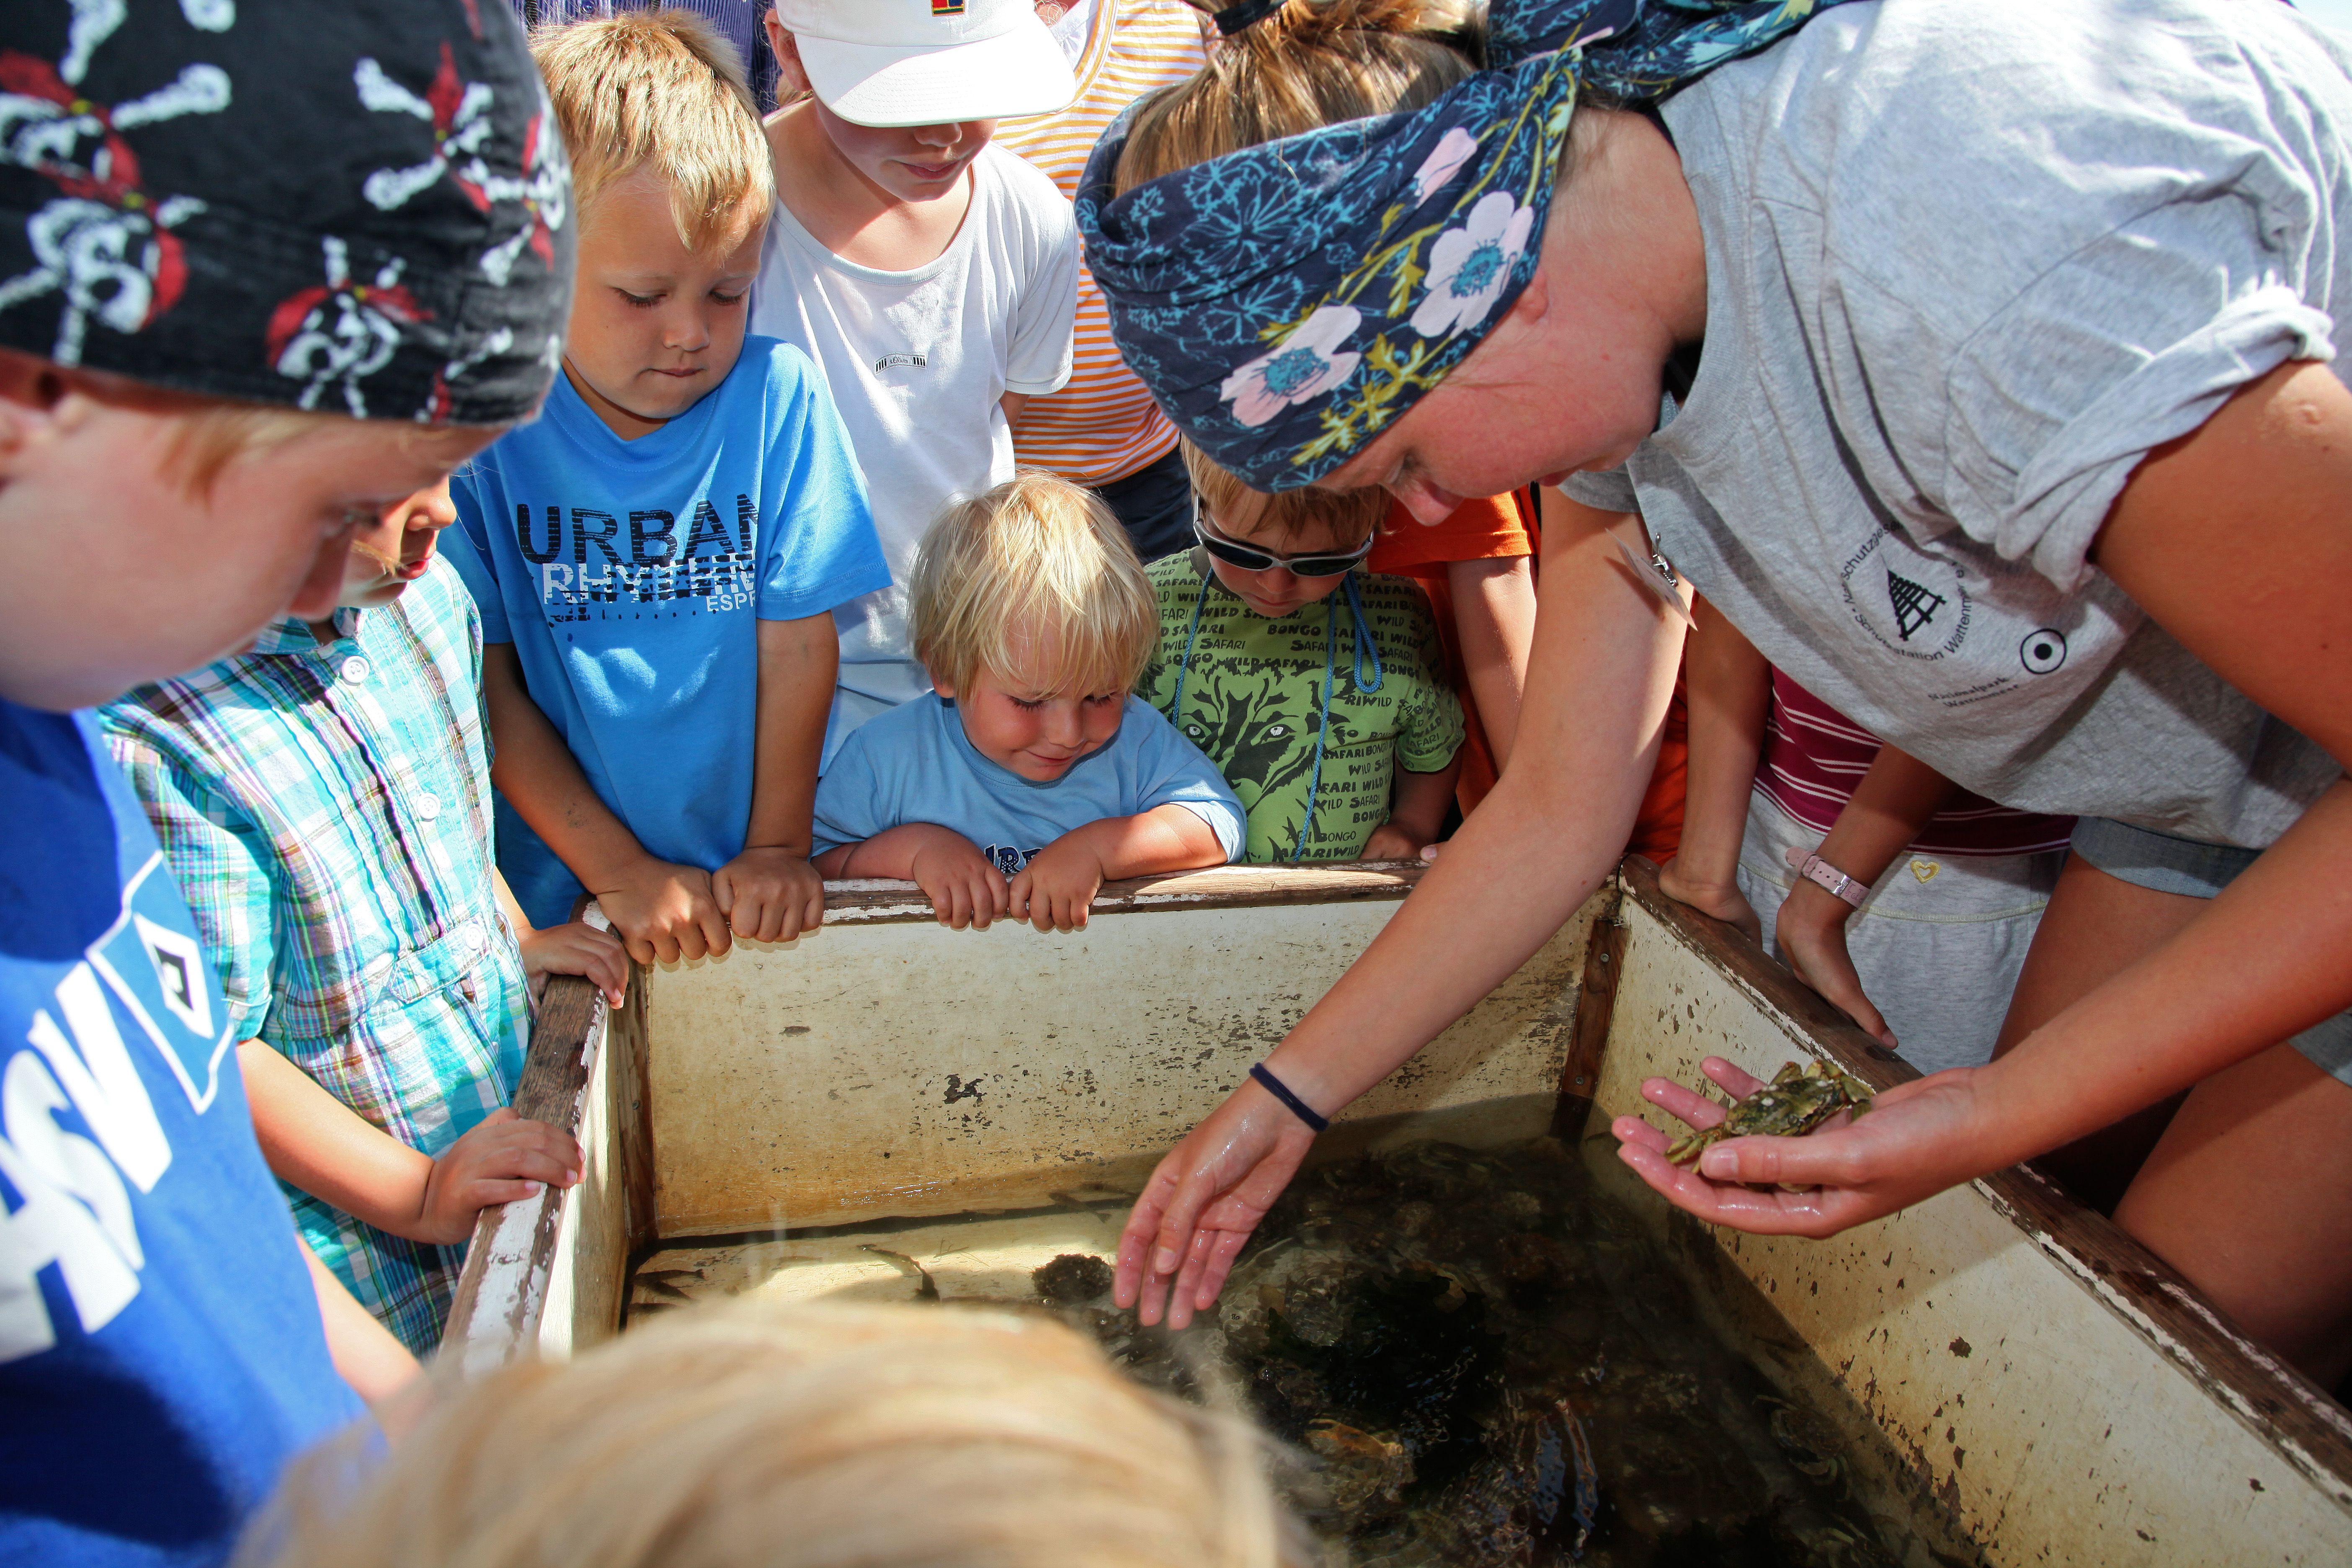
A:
161	1354
914	763
630	577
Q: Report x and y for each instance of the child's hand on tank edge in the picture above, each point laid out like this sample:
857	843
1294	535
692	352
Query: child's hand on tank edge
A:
1725	901
665	912
500	1159
576	948
1812	938
1390	842
1056	889
769	894
964	887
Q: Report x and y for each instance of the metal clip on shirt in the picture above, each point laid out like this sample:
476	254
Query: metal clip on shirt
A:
1657	574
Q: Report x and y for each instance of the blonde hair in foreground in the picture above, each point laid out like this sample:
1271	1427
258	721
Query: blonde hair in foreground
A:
1036	582
1311	64
811	1436
659	90
1351	516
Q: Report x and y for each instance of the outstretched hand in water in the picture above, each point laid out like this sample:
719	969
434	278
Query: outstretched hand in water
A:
1916	1140
1202	1202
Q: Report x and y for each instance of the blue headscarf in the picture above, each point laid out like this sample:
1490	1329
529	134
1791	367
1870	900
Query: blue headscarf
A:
1285	302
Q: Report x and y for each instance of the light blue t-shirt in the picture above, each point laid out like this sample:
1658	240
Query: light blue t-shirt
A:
914	763
630	576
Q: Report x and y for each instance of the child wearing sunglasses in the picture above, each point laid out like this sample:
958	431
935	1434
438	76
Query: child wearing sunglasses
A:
1027	776
1319	690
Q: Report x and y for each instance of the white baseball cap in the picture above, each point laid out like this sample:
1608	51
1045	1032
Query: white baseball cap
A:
929	62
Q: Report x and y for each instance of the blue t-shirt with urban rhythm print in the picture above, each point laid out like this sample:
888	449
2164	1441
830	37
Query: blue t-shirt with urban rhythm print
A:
914	763
631	576
161	1354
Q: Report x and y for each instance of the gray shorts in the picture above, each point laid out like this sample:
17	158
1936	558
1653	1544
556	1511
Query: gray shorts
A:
1937	943
2159	861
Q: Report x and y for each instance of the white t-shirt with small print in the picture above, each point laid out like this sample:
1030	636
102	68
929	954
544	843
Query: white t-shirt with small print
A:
915	363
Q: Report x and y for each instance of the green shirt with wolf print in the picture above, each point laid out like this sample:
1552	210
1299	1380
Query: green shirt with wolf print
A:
1253	701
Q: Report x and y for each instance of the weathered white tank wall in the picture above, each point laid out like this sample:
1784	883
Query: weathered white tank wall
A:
2047	1425
908	1069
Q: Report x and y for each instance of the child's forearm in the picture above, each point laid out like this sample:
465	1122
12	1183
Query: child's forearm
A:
324	1147
1886	812
511	906
889	853
1730	692
799	661
366	1355
1495	616
1880	818
539	776
1418	808
1166	838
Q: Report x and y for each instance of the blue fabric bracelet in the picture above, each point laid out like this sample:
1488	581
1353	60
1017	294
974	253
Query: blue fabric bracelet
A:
1281	1092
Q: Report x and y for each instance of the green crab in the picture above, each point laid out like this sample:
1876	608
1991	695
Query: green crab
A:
1797	1100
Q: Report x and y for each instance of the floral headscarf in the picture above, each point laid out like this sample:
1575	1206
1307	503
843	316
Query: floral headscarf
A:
1285	302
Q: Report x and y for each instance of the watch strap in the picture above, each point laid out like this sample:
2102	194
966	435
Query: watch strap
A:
1814	870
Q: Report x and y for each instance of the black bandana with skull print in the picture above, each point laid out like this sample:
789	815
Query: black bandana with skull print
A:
360	208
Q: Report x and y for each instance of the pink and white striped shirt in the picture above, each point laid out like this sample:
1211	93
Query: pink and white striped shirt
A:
1815	757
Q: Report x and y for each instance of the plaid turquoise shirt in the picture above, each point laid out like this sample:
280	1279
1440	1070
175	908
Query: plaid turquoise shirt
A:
326	809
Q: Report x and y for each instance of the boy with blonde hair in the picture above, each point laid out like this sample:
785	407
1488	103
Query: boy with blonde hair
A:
811	1435
933	274
1027	776
220	352
1319	692
658	559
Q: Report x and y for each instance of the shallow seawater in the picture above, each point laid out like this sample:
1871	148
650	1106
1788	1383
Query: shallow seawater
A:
1493	1360
1481	1357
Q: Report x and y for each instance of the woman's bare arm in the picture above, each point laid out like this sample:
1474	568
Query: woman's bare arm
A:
2233	539
1601	674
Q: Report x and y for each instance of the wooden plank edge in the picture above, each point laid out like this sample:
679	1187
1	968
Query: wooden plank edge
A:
880	902
2297	1419
1596	1006
634	1134
502	1285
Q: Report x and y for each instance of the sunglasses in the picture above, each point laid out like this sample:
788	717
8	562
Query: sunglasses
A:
1249	558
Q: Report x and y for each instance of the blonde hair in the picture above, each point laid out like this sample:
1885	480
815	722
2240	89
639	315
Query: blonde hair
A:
659	90
1349	516
749	1435
1311	64
1036	568
211	437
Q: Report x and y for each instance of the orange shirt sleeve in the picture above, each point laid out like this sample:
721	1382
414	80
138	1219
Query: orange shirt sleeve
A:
1482	529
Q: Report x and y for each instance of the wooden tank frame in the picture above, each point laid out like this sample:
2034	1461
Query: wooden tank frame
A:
2067	1396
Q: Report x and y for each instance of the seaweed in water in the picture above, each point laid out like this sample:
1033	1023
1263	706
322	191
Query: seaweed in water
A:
1071	1279
1489	1361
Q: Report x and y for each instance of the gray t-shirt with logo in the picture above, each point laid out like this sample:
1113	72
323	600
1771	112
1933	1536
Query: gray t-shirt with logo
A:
1967	264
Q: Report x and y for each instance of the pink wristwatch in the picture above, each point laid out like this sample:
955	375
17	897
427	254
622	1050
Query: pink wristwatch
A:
1814	868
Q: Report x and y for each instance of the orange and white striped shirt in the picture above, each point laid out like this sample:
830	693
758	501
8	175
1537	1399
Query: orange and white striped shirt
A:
1103	426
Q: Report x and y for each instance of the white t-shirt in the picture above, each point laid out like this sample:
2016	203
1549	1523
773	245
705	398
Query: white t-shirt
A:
1967	264
915	363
